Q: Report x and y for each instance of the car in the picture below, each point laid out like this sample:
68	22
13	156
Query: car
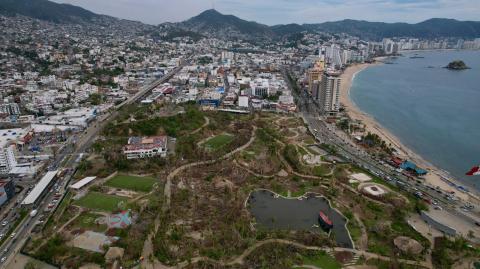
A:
437	207
4	223
13	235
2	235
3	259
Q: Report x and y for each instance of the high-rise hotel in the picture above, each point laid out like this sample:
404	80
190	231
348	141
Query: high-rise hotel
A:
329	93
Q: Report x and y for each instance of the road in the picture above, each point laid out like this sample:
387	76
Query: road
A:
68	158
326	133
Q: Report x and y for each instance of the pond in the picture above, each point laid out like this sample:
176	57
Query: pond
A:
276	212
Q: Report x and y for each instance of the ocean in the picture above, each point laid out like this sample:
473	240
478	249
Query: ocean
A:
433	111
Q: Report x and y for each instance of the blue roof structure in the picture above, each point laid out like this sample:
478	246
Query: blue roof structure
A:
407	165
420	171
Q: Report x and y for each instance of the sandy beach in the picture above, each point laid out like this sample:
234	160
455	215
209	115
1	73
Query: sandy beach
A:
434	175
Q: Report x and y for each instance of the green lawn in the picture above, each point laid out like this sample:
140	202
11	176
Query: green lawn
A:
100	201
87	221
322	260
218	142
322	170
134	183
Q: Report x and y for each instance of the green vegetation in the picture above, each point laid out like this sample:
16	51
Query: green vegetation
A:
321	170
373	141
172	126
87	221
380	264
205	60
55	250
353	226
100	201
134	183
322	260
457	65
291	155
95	99
446	252
218	142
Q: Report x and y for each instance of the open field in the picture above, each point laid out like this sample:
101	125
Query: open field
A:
134	183
99	201
322	260
218	142
87	221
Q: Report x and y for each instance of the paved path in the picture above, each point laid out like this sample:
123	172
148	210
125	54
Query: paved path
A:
148	246
241	259
250	171
207	122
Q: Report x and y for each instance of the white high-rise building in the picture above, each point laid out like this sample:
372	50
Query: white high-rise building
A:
333	55
329	94
7	159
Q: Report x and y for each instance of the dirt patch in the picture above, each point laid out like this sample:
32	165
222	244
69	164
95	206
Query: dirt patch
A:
408	245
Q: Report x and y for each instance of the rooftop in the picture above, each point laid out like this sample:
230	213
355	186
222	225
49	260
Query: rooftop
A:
147	142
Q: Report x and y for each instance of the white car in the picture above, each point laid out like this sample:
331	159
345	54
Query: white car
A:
13	235
3	259
4	223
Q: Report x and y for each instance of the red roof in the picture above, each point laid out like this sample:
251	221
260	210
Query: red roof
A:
146	143
325	218
397	160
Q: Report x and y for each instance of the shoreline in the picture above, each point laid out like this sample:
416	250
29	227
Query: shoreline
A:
435	174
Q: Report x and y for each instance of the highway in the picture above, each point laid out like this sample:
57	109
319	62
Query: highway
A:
325	133
67	158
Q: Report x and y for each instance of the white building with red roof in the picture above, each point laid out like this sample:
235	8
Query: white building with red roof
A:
146	147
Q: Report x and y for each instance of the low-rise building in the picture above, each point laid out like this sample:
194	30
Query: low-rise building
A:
146	147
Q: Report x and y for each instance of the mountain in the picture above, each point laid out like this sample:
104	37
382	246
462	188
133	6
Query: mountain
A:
432	28
212	23
215	24
287	29
47	10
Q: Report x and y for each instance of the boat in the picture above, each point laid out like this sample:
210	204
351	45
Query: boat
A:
324	221
416	56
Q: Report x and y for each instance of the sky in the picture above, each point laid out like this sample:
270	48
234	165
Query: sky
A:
273	12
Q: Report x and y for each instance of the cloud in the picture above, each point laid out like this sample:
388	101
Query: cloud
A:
287	11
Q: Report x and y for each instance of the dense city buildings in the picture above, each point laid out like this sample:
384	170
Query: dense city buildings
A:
124	144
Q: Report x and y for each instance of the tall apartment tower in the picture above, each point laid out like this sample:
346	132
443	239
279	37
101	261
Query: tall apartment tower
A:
329	94
315	74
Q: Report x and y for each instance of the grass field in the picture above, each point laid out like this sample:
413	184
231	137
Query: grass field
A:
218	141
142	184
322	260
100	201
87	221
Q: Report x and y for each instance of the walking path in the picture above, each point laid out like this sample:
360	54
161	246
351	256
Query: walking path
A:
148	246
250	171
207	122
80	211
241	259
